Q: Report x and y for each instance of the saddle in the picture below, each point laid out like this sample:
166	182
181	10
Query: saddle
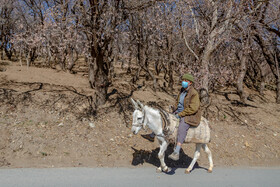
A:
170	124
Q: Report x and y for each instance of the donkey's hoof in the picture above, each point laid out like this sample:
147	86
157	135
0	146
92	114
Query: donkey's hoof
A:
209	170
187	171
166	169
158	170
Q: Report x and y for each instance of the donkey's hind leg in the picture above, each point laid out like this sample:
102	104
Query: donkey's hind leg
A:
161	154
196	156
207	150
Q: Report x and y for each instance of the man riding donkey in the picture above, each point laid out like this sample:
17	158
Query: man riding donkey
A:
187	110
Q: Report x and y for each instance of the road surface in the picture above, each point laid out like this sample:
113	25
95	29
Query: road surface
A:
145	176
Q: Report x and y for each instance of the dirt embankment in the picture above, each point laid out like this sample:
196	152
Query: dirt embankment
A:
46	121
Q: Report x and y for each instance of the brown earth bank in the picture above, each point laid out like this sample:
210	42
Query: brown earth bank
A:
46	121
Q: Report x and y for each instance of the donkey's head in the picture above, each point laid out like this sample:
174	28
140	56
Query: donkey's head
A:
138	116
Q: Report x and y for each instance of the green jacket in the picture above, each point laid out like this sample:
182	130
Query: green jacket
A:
192	111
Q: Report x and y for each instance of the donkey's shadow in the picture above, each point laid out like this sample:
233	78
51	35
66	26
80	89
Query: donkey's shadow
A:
141	156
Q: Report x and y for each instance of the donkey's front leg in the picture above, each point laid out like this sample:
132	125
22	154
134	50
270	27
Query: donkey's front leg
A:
161	154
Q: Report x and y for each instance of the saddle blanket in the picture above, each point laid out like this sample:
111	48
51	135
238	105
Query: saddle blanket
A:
199	134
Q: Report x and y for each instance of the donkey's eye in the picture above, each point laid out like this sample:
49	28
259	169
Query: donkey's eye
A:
139	118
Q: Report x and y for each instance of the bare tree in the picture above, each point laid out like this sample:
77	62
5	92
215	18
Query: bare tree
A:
99	20
269	42
7	27
217	41
211	25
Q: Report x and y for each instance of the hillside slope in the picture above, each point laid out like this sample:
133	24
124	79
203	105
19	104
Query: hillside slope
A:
46	121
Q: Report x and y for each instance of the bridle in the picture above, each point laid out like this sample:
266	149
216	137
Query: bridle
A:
137	125
165	122
140	124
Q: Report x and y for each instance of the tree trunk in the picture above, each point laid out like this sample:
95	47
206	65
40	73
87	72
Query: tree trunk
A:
20	59
101	81
91	67
98	77
110	65
70	65
28	58
49	56
262	86
155	80
241	75
262	72
128	71
278	91
62	59
9	54
277	64
2	53
157	67
72	60
136	76
205	72
170	75
242	72
31	56
205	68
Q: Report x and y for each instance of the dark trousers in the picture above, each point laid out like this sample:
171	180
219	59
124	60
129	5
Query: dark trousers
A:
182	130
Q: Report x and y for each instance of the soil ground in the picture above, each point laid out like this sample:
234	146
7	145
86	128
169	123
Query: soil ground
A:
46	121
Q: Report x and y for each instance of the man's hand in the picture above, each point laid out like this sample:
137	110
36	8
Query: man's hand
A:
177	116
171	108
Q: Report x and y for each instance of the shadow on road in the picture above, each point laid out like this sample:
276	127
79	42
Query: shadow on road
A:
145	156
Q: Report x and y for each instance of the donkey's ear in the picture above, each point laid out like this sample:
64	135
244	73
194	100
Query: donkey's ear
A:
140	104
134	104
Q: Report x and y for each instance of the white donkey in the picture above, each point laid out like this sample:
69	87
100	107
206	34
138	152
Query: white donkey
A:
153	118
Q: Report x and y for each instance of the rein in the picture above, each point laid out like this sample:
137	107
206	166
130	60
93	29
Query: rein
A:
137	125
165	123
165	120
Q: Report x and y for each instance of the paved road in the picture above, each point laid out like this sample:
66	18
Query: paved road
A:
267	177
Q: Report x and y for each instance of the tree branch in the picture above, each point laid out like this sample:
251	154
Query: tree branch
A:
186	42
143	6
195	22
